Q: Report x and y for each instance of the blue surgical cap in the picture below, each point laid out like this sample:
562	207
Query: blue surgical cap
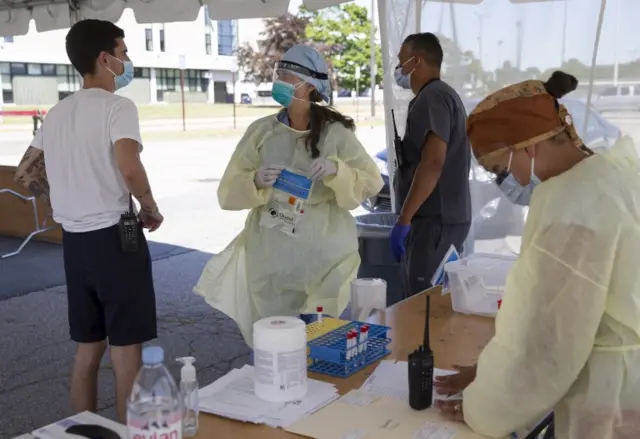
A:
309	57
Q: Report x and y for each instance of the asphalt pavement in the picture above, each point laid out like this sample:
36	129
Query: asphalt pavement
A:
35	353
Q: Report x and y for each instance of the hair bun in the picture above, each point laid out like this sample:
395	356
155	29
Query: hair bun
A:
560	84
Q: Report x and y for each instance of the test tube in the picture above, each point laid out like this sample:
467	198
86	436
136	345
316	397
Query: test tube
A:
354	343
347	353
361	340
320	314
366	339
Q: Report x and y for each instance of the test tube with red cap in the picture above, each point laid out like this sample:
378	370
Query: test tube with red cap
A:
354	343
361	341
320	314
366	339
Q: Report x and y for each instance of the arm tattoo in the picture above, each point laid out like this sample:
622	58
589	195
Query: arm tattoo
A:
40	188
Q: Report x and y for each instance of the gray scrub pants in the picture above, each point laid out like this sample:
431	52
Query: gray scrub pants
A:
427	243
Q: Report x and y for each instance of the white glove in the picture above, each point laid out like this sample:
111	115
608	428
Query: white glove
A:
321	168
267	175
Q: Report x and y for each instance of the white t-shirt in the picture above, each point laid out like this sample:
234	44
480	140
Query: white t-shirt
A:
77	136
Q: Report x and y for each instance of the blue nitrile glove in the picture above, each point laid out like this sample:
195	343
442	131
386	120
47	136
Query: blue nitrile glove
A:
398	238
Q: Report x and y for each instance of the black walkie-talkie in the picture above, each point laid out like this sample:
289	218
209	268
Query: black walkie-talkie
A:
129	229
421	370
397	143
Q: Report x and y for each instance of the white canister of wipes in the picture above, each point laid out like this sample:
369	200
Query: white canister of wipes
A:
280	359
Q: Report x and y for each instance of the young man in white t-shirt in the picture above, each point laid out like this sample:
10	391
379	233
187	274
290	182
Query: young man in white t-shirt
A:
85	159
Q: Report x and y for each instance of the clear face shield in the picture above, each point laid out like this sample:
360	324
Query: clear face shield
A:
292	73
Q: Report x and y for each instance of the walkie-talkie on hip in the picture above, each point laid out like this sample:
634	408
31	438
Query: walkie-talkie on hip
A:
129	229
421	366
397	143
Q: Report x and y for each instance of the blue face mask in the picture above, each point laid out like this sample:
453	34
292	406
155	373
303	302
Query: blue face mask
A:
514	191
282	93
125	79
403	79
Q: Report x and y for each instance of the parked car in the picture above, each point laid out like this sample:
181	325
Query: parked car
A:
620	98
496	217
246	99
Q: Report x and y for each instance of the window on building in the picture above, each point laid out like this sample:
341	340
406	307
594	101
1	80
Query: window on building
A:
48	69
148	36
141	72
18	68
227	32
162	46
8	39
196	81
207	18
6	85
34	69
207	44
68	80
167	79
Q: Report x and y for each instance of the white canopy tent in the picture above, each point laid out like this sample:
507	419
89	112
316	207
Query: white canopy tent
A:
397	18
15	15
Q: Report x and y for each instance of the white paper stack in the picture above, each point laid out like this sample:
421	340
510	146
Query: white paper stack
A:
232	397
392	379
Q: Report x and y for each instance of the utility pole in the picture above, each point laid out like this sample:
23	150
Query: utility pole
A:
616	67
457	61
520	40
374	64
564	32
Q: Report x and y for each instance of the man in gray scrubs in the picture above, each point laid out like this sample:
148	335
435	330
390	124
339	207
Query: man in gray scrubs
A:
432	178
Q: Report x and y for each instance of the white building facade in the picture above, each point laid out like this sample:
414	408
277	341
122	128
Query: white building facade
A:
35	70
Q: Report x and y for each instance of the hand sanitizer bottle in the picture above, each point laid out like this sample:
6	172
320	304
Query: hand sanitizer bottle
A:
189	391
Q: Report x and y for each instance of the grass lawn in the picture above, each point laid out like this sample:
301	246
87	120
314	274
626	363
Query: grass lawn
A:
193	111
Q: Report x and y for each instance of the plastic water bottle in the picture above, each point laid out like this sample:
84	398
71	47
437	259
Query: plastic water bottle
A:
154	409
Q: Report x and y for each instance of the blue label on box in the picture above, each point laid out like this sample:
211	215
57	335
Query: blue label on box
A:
294	184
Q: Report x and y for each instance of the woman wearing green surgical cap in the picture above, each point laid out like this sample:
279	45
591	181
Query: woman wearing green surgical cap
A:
265	272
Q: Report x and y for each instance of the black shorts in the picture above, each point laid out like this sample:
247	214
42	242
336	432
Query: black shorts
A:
428	242
110	293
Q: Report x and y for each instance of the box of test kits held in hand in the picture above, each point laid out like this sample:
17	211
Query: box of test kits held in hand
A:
476	283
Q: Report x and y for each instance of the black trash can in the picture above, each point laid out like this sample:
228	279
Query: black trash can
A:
375	252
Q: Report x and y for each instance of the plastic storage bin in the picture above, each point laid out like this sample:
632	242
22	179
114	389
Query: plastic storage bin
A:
476	283
375	252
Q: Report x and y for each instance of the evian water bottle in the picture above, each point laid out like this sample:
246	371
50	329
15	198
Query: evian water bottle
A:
154	409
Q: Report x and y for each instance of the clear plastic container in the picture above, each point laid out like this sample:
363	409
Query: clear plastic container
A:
476	283
154	409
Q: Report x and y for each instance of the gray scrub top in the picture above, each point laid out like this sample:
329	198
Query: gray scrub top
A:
438	109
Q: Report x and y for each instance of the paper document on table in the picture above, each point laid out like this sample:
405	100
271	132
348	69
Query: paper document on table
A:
431	430
319	395
392	379
360	398
233	397
385	418
354	433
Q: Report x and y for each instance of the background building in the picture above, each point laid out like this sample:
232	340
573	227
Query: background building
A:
35	70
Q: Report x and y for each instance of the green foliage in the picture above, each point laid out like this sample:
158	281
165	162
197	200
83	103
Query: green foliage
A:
345	32
279	35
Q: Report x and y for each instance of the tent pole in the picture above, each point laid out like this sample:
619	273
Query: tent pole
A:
418	16
387	93
592	73
74	12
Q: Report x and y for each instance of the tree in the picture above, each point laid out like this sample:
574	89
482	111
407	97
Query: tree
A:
279	35
345	33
